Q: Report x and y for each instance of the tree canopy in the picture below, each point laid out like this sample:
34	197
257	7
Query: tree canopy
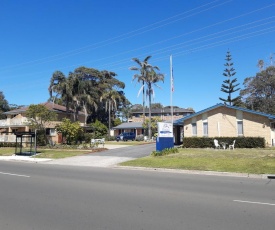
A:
148	76
259	91
85	90
4	106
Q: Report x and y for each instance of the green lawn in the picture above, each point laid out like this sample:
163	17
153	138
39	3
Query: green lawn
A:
61	153
6	151
256	161
50	153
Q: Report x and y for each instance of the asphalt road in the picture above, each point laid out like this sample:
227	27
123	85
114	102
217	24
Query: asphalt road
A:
55	197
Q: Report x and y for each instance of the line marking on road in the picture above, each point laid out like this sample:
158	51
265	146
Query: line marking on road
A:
253	202
11	174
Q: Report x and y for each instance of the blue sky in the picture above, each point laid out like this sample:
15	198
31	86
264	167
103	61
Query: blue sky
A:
40	37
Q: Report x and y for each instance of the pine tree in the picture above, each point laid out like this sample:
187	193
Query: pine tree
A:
229	85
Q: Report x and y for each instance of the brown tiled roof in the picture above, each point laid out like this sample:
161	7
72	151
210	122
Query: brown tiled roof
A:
51	106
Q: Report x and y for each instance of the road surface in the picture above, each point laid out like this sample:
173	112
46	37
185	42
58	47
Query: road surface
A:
62	197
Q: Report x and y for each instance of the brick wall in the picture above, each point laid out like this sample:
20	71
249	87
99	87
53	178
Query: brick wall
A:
223	122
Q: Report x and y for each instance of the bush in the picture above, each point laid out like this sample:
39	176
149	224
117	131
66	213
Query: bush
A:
7	144
165	152
207	142
99	129
87	137
111	138
140	137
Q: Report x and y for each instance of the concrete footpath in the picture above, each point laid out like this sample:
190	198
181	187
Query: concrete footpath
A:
120	153
84	160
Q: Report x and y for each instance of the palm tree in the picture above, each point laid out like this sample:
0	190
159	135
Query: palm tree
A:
60	85
82	95
144	68
111	98
150	81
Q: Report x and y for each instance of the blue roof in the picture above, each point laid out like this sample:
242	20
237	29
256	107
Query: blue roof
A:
181	120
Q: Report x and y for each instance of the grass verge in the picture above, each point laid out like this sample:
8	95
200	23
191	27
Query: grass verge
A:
6	151
253	161
52	153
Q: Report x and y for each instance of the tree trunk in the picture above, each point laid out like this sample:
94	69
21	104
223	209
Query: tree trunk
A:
149	123
109	119
143	95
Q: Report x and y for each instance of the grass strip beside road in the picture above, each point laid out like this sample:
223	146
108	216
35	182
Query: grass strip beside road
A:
51	153
253	161
6	151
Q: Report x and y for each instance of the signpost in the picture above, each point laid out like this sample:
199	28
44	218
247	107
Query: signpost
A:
165	136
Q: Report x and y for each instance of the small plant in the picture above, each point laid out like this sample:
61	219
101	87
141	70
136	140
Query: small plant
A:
140	137
165	152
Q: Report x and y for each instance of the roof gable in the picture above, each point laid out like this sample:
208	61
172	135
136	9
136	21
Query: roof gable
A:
269	116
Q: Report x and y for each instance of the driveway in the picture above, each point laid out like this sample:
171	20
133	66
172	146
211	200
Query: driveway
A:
108	158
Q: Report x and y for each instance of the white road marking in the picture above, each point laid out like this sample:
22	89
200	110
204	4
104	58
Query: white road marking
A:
11	174
253	202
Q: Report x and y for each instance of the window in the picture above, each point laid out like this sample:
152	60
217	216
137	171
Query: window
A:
194	129
50	132
240	127
205	129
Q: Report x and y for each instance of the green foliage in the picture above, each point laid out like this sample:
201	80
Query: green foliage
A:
259	91
207	142
165	152
7	144
99	129
156	106
71	131
117	122
229	85
149	78
154	124
87	137
82	89
4	106
39	115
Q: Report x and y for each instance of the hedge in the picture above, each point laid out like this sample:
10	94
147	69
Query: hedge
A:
7	144
207	142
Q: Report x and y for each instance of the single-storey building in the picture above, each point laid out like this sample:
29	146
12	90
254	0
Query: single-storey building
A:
135	127
229	121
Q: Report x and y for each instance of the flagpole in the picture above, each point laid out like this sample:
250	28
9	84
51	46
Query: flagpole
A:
172	88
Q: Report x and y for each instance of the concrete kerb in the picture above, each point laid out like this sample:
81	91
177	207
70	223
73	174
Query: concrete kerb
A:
24	158
196	172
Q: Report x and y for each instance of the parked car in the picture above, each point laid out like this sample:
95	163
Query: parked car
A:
126	136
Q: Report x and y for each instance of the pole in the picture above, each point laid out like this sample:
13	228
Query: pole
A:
35	143
172	88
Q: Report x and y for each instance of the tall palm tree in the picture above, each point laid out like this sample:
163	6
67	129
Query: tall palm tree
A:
111	98
143	68
61	86
150	81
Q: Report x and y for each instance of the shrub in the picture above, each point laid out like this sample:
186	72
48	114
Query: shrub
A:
165	152
207	142
7	144
140	137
